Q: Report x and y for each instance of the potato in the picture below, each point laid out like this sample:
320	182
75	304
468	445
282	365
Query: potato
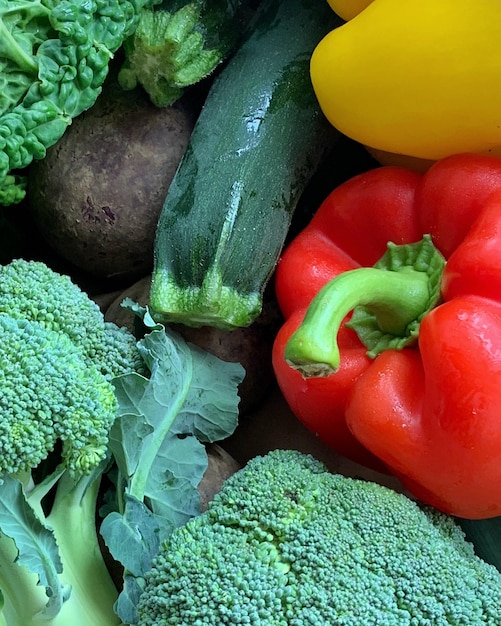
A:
97	195
249	346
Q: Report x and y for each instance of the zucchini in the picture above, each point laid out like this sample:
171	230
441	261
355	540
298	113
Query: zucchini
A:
485	535
177	43
257	142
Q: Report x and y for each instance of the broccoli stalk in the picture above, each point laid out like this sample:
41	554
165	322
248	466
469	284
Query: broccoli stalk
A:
61	549
73	516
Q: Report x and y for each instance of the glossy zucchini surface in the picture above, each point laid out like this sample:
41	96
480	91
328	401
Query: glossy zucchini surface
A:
258	140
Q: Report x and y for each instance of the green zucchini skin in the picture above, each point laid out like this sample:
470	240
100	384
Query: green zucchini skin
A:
485	535
258	140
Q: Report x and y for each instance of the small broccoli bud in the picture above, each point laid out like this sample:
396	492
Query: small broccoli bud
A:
84	459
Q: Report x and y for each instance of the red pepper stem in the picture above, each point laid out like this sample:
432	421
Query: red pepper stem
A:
396	298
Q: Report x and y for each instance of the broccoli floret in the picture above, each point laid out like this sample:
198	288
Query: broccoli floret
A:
48	392
51	567
59	359
33	291
287	543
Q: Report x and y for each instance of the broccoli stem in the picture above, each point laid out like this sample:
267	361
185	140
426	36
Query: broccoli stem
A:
73	520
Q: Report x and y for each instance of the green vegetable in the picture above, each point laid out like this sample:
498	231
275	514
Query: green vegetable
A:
179	43
50	393
286	542
51	568
57	405
158	442
74	410
258	140
54	57
31	290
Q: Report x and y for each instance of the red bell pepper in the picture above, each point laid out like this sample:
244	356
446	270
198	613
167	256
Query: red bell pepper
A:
391	352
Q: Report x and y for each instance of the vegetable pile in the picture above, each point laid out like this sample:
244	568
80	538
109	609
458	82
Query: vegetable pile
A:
250	313
81	396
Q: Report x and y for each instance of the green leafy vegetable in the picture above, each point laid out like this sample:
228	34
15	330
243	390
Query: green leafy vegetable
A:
73	390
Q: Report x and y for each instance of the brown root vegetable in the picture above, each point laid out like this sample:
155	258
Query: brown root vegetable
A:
97	195
221	466
138	292
250	346
105	300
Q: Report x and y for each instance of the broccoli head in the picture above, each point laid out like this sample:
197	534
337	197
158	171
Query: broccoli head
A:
49	393
287	543
33	291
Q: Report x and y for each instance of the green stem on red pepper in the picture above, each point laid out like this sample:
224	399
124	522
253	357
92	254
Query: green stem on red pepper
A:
388	302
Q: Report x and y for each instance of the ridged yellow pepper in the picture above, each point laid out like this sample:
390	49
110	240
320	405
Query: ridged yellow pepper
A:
415	77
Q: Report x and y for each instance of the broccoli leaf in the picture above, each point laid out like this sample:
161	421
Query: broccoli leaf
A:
127	601
35	546
157	441
190	394
134	535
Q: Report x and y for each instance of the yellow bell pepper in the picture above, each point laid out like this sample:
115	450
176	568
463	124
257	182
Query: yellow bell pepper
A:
419	78
347	9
